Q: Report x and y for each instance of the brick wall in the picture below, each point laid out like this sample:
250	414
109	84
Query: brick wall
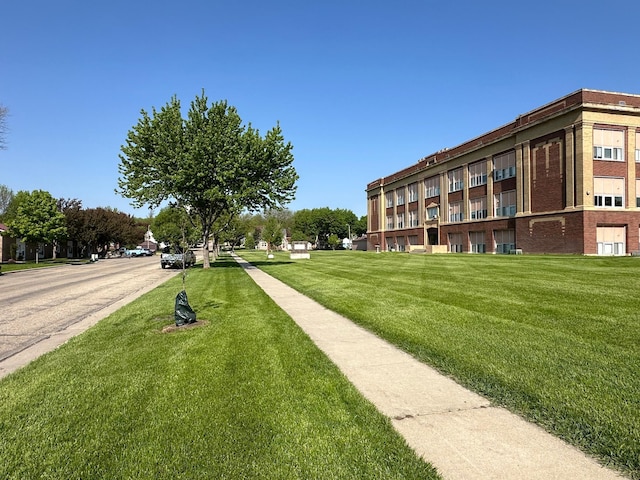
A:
551	233
547	177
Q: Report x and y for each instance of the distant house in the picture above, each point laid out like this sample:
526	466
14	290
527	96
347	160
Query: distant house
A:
359	243
5	244
12	249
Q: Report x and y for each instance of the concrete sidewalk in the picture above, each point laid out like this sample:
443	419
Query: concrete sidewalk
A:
457	431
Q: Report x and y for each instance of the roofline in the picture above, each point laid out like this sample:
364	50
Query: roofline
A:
560	105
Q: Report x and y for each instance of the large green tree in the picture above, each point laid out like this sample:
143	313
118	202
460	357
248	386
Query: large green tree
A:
36	218
95	229
208	163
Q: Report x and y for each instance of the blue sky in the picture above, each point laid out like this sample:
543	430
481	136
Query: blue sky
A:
360	88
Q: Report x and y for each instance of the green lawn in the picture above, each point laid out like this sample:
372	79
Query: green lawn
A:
246	395
556	339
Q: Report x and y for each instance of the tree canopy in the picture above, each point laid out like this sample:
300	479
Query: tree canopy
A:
173	226
208	163
317	224
36	218
96	228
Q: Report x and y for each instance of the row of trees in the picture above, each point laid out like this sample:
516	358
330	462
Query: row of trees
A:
36	217
320	226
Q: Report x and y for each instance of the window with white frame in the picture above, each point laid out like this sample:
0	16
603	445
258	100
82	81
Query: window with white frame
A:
389	222
611	240
455	180
504	166
400	220
478	208
432	213
400	196
505	203
432	187
638	192
608	144
477	174
455	242
455	212
413	218
413	192
608	192
477	242
388	199
505	240
637	146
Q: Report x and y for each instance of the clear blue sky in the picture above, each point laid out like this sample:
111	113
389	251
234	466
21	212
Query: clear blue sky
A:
360	88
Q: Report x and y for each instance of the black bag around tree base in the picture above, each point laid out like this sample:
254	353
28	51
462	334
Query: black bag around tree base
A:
184	314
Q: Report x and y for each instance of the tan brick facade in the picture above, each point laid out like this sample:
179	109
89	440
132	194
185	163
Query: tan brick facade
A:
538	194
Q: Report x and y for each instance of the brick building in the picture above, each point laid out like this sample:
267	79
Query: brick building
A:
563	178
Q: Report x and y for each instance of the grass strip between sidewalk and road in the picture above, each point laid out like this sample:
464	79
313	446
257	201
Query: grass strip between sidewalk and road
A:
553	338
244	395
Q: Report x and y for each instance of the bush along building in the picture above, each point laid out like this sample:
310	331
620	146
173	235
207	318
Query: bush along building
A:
563	178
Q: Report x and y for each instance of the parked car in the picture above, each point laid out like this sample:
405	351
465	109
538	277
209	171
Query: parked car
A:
188	258
137	252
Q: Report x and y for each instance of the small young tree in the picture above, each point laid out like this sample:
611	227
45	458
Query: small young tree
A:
333	241
272	233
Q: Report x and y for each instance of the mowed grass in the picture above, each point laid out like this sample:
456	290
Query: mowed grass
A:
246	395
555	339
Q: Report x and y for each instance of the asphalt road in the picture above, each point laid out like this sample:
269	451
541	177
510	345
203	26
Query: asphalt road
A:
39	305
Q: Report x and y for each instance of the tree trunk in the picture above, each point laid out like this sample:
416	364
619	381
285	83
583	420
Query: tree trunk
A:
205	252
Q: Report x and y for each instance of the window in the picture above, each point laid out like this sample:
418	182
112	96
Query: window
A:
413	192
455	212
608	192
389	222
637	146
504	166
478	208
608	144
432	187
390	244
477	174
400	196
505	240
455	180
432	213
476	239
400	219
505	203
389	199
455	242
638	192
400	242
611	240
413	218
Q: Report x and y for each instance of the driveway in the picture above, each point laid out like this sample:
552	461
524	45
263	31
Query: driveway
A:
41	308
